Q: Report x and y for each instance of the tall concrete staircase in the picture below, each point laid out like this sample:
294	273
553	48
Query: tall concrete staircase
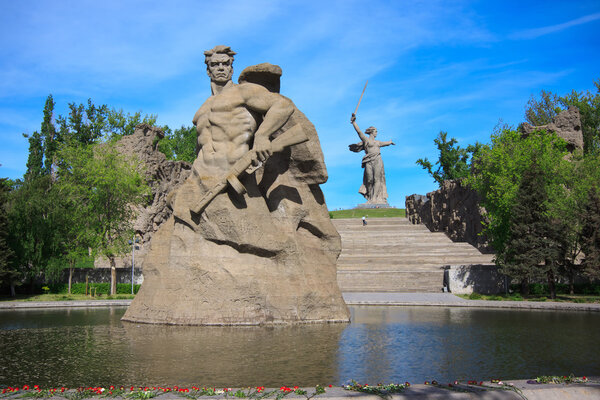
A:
393	255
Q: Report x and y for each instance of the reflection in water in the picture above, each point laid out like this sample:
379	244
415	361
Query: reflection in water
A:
424	343
76	347
247	356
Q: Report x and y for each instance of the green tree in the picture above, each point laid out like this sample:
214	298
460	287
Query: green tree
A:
527	244
84	124
104	188
577	178
591	235
453	162
49	136
34	215
9	274
89	124
541	111
500	169
35	160
179	144
588	104
120	124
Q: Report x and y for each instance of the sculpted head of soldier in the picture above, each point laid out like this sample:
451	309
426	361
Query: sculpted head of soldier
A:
219	64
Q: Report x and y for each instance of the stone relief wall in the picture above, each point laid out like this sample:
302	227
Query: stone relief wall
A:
453	209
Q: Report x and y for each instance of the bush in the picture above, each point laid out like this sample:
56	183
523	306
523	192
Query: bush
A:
474	296
541	289
101	288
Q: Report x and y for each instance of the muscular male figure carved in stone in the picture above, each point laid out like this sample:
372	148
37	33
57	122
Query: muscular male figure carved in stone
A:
373	188
261	249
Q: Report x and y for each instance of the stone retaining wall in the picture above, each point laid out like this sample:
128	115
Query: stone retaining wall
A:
483	279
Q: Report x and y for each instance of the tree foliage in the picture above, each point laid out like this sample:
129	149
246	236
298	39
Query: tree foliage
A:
179	144
102	188
89	124
500	169
34	213
589	108
541	111
78	193
453	162
590	234
8	271
532	248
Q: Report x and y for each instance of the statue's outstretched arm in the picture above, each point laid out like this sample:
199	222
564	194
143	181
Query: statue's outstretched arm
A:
361	135
387	143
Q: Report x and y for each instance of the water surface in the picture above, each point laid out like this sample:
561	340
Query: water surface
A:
80	347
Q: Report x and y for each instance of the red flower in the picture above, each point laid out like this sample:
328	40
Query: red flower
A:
330	385
295	387
25	387
112	387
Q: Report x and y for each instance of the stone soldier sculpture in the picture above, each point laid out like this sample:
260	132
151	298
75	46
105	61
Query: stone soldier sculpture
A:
373	187
250	241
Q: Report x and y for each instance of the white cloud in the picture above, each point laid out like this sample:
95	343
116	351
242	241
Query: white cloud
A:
546	30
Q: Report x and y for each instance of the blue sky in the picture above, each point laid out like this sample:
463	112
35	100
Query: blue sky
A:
457	66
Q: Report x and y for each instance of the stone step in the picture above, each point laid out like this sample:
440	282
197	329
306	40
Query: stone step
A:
410	250
391	281
446	259
393	255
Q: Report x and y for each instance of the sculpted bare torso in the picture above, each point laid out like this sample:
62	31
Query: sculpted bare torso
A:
228	123
225	129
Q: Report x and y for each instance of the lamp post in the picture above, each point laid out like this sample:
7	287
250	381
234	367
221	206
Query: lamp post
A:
133	246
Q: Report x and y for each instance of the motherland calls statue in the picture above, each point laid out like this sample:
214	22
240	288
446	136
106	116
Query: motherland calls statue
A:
373	187
250	240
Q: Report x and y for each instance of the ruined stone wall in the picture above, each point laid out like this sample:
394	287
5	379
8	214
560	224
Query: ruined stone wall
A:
453	209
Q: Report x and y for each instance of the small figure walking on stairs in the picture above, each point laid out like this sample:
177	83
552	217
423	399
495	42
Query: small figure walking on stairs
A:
364	220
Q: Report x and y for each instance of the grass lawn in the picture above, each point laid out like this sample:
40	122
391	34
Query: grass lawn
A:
565	298
369	212
65	297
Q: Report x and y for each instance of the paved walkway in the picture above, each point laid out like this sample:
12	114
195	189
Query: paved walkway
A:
354	298
14	305
450	300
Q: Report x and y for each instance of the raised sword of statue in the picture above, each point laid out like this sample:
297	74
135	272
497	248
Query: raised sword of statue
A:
361	96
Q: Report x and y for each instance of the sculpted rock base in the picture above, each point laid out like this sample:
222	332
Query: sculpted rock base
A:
272	265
